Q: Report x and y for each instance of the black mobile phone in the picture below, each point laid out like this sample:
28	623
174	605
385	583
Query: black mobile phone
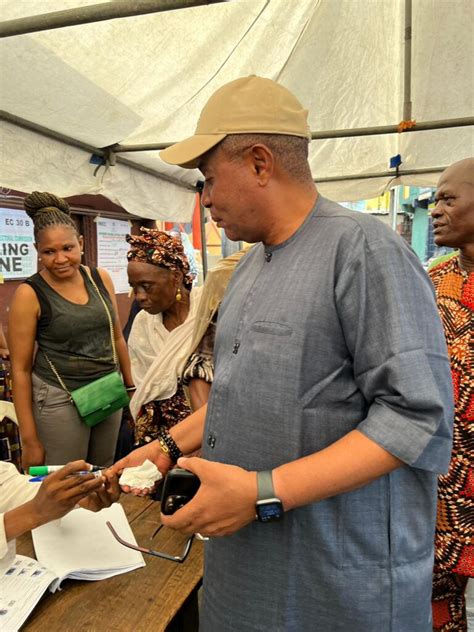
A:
178	489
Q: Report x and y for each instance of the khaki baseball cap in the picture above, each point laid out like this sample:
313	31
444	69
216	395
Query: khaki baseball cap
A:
244	106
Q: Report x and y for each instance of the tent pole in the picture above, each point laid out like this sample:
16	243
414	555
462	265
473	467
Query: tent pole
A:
337	133
105	153
382	174
393	207
94	13
44	131
421	126
38	129
407	62
203	236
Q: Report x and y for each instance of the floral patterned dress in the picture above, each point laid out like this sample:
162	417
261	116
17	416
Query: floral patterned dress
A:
454	544
160	415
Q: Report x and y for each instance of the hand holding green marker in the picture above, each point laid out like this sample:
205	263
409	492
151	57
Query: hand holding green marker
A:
40	472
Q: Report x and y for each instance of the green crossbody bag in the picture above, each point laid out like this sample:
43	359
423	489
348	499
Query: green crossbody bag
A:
102	397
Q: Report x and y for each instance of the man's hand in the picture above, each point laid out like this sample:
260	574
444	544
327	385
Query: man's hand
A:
58	494
153	453
224	503
63	490
105	496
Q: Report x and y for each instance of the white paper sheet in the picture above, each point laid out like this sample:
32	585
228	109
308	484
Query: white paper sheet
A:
21	586
81	546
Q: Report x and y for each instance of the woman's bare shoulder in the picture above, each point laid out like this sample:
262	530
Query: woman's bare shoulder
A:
25	292
25	301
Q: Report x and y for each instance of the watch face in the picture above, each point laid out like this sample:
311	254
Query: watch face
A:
269	510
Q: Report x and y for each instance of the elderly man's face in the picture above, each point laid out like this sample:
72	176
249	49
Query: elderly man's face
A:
453	216
229	193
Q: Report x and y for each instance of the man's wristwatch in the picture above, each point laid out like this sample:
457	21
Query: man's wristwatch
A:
268	507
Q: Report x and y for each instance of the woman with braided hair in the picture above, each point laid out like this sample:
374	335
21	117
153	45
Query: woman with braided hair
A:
160	339
65	311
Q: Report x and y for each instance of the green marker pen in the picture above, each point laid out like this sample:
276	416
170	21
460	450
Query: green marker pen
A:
44	470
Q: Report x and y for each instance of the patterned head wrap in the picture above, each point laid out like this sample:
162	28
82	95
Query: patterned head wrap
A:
160	249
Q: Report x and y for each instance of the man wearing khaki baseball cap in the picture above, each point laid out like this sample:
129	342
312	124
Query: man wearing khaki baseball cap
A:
244	106
330	412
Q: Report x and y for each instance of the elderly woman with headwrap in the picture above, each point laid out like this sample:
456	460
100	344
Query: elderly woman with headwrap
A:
160	339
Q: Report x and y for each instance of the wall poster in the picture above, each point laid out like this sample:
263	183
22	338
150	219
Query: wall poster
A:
18	257
112	251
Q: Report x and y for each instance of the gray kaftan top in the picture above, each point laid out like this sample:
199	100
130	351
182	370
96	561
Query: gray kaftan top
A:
333	330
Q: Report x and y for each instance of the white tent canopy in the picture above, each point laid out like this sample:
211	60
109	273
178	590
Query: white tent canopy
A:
144	79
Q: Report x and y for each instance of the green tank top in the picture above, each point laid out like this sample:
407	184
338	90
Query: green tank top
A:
76	338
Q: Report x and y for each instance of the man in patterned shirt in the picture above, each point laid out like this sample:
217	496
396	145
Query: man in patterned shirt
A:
453	224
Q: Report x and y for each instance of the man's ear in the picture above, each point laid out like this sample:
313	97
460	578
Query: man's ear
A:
263	163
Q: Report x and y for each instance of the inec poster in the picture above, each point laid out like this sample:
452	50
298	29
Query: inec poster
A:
112	251
18	258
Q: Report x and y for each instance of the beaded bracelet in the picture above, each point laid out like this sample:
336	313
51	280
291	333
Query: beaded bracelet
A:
168	445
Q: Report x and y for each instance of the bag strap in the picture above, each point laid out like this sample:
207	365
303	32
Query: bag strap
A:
109	315
58	377
112	340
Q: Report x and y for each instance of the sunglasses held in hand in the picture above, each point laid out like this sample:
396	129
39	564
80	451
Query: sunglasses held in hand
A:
178	489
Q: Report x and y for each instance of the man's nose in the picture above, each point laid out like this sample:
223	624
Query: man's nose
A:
436	210
205	197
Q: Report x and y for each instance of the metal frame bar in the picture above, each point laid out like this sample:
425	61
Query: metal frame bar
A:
337	133
422	126
104	152
107	152
34	127
45	131
407	62
202	226
382	174
94	13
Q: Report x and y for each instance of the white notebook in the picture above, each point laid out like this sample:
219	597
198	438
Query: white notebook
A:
81	546
78	546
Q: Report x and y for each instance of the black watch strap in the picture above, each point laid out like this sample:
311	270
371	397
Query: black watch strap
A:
265	485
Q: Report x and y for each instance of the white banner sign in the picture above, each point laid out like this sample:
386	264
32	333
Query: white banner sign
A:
112	251
18	257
